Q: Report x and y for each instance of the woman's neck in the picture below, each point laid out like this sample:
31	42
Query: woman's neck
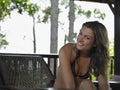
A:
84	53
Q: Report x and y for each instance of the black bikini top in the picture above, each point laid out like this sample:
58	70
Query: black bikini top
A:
86	75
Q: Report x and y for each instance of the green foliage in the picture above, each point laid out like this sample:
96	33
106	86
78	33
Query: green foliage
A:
46	14
88	13
74	38
25	6
111	62
80	11
6	6
3	42
111	48
32	9
65	3
99	14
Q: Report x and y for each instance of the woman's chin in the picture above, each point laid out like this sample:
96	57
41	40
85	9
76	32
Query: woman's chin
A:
79	48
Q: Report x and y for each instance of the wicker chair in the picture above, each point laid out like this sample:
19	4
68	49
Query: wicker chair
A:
24	71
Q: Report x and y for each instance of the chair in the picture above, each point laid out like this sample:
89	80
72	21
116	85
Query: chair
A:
24	71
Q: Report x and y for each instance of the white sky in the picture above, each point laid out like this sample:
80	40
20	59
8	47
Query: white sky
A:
18	29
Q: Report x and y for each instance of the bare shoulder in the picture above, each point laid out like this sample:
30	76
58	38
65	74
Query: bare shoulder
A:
67	51
67	47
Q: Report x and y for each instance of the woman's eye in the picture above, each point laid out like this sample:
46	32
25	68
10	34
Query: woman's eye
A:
87	37
80	33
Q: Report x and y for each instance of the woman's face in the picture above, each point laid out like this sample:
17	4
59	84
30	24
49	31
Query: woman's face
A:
85	39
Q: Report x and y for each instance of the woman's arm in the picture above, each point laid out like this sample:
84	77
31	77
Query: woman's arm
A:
103	82
65	64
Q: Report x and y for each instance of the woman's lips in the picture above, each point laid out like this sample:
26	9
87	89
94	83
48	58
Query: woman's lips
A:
80	44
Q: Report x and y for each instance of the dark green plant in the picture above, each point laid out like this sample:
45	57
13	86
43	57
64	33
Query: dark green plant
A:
3	41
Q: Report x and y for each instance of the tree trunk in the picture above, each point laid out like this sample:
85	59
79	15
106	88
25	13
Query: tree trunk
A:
71	21
34	36
54	26
54	31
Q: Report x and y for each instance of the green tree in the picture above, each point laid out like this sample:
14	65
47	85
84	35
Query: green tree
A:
74	12
3	42
6	6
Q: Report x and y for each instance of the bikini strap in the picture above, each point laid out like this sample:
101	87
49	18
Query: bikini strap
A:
73	63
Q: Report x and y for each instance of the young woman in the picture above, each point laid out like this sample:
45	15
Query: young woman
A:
89	55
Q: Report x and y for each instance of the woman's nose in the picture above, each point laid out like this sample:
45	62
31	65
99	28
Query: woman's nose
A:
80	38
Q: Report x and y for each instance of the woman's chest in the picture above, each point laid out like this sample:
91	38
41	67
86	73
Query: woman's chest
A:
81	66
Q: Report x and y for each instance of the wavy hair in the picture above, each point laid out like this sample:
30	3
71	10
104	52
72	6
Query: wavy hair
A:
99	53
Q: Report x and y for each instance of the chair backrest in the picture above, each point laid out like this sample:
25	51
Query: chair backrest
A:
27	71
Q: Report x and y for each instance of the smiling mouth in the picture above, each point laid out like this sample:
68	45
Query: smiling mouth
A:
80	44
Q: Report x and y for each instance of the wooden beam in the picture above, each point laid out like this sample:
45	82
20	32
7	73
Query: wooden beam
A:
117	38
100	1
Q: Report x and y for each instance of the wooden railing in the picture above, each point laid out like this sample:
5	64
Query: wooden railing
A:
53	61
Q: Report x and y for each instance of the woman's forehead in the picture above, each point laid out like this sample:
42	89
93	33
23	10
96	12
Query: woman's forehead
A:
87	31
